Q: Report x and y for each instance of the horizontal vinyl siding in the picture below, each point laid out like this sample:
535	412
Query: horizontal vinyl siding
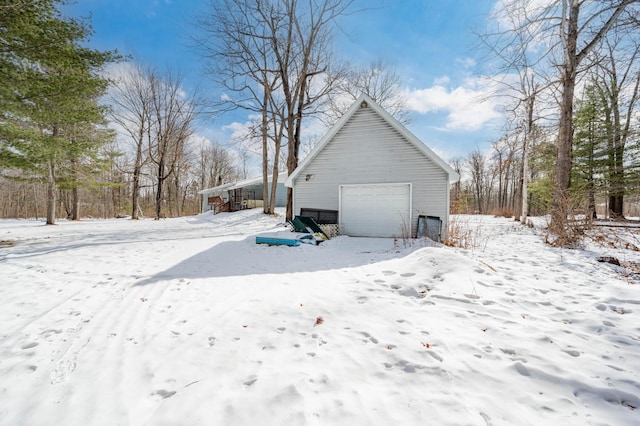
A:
369	150
281	193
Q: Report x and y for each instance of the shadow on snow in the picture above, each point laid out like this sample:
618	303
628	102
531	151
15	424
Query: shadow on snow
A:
245	257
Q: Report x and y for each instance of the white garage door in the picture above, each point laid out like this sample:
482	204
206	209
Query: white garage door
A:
375	210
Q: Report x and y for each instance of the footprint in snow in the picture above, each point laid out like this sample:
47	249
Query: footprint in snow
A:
412	292
571	352
50	332
407	367
64	367
29	345
164	394
249	382
520	368
369	338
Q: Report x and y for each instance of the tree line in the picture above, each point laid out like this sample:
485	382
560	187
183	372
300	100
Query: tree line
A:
57	152
567	71
569	74
271	58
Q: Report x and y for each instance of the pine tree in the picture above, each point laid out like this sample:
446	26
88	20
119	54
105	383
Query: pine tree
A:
589	149
50	89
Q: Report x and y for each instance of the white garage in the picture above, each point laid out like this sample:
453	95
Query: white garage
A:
375	210
372	176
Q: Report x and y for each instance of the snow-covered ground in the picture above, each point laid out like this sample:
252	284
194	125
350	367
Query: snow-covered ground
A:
188	322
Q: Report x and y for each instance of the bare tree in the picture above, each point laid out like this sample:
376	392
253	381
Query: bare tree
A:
237	39
581	25
131	111
379	81
172	116
215	166
301	47
81	170
504	158
277	60
522	80
458	204
479	181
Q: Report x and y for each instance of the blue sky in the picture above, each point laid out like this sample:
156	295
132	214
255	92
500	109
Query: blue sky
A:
429	42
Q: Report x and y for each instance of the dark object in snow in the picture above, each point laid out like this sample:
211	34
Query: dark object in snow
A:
430	227
609	259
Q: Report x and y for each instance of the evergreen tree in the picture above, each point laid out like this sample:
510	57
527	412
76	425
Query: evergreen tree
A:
50	89
589	149
540	188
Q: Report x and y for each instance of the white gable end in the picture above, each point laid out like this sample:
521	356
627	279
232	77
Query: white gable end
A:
373	157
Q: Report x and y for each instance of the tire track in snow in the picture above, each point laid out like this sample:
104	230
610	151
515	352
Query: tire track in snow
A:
110	339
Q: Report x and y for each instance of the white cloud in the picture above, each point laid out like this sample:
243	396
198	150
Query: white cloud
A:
118	70
240	132
198	142
468	107
466	62
442	80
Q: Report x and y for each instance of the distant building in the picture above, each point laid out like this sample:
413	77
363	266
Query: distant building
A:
246	194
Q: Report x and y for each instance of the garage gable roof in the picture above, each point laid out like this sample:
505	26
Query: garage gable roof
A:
384	115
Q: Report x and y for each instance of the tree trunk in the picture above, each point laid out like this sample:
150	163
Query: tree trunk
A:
266	206
75	203
75	196
35	200
51	194
591	189
524	211
294	143
274	180
135	190
291	162
560	207
159	190
616	197
526	143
